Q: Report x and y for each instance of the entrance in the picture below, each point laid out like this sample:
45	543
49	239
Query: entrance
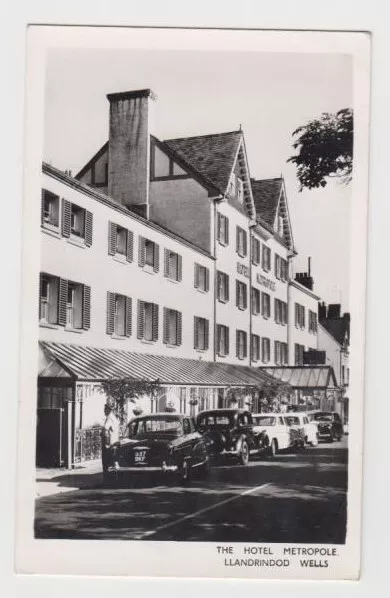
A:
51	447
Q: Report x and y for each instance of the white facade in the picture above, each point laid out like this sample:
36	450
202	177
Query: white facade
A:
303	321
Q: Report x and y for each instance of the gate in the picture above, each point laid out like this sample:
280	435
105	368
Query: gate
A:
88	444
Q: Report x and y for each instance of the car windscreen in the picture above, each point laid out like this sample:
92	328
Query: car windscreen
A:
291	420
215	420
154	424
323	417
264	421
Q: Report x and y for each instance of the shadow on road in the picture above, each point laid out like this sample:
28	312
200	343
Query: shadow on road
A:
292	498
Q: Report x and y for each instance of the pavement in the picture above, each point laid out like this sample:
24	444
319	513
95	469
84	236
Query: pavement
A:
51	481
298	497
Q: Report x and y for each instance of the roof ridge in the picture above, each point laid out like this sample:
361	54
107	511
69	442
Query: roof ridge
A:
202	136
275	178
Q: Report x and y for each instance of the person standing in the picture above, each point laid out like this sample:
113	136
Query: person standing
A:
110	435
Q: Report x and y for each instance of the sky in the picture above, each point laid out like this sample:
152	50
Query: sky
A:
269	94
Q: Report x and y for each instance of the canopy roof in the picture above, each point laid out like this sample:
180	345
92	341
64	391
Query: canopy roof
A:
90	363
316	377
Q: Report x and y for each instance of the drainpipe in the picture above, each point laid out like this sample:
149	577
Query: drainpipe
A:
289	317
251	226
215	202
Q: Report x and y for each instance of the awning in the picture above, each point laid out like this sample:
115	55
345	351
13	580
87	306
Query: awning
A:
90	363
307	377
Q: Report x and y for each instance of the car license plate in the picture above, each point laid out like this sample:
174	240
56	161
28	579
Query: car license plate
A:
140	457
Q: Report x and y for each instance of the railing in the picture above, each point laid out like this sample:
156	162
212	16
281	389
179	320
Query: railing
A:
88	444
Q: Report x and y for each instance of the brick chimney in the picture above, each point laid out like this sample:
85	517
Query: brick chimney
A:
322	311
334	310
129	149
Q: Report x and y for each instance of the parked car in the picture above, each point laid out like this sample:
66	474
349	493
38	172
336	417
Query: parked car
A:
272	432
330	426
229	433
310	428
163	443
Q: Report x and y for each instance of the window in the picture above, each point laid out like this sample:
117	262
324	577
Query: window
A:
162	166
223	230
343	374
240	190
299	350
241	344
241	295
147	323
201	334
280	228
281	353
313	322
280	312
173	265
299	316
255	251
265	305
277	266
149	254
223	287
48	299
232	185
120	241
50	209
201	278
183	399
266	258
172	327
119	320
256	307
283	270
241	242
265	350
222	340
255	347
76	222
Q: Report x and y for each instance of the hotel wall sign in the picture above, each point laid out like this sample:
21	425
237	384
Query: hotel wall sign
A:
266	282
243	270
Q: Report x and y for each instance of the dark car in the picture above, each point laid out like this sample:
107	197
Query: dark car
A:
229	433
164	443
330	426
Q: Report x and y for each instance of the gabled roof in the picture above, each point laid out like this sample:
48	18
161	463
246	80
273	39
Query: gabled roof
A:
213	156
266	194
318	377
338	328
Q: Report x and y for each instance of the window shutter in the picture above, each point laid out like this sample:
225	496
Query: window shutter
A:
62	301
66	208
196	333
128	316
88	228
196	276
245	296
156	265
179	328
165	325
166	262
206	334
110	312
207	279
245	243
303	317
111	238
226	230
245	345
141	252
42	205
276	310
179	267
219	227
237	293
155	321
40	294
227	340
129	245
296	314
86	307
237	343
140	318
227	285
238	239
253	250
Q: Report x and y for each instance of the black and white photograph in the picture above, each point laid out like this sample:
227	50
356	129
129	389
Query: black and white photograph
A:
193	343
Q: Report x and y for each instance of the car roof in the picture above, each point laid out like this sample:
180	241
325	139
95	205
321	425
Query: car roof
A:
161	414
226	411
266	414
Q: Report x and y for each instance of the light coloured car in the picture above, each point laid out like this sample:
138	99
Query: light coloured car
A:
273	433
301	420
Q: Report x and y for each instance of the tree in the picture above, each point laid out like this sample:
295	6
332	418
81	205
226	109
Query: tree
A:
119	391
325	149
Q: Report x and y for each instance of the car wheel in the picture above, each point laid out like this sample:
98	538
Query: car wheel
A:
185	473
273	448
244	453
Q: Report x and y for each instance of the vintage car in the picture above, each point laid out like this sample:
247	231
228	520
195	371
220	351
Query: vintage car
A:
330	426
310	428
229	433
275	433
164	443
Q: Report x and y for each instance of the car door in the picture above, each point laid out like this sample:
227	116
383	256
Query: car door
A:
194	445
282	432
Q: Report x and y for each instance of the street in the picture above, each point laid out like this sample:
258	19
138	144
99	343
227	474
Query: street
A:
298	498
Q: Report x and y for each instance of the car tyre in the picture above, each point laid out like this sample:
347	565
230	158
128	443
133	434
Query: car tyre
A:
273	448
244	453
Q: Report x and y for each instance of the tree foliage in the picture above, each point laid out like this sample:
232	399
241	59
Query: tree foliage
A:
324	149
119	391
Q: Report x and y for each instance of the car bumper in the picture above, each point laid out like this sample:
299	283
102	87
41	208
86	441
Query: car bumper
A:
163	468
322	435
